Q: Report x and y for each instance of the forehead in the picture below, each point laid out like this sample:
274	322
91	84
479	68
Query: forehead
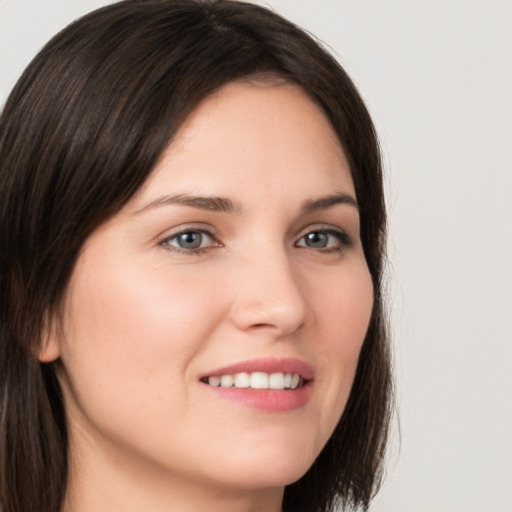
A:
253	137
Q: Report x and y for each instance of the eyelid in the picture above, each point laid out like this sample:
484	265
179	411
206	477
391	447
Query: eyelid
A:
344	238
205	229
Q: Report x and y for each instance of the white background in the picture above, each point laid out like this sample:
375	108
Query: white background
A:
437	76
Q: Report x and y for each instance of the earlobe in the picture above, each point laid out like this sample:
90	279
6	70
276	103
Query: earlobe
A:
49	350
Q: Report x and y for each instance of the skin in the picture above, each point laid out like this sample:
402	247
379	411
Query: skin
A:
143	319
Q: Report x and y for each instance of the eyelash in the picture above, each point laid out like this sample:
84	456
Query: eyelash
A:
165	243
343	239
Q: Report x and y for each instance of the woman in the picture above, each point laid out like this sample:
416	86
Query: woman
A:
192	241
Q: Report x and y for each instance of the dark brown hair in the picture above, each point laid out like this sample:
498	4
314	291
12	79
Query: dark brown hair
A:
79	135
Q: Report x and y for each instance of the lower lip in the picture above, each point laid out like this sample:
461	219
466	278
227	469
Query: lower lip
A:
266	399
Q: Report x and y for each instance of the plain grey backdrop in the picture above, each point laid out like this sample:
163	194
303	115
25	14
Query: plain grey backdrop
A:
437	76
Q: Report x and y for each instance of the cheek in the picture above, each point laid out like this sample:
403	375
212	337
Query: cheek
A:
354	309
344	308
344	315
128	308
133	333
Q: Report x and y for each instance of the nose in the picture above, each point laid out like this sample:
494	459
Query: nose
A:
268	296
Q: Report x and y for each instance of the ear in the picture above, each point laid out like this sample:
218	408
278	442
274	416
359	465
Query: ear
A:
49	349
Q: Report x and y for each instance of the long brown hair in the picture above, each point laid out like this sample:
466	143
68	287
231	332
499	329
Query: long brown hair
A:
79	135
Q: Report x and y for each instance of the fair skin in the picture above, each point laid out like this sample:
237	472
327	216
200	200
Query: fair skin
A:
172	289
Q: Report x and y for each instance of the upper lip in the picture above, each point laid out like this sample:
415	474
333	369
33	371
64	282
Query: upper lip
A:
267	365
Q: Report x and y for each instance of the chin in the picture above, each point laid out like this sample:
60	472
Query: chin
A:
272	476
269	465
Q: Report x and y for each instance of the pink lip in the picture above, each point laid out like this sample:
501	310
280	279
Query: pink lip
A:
268	399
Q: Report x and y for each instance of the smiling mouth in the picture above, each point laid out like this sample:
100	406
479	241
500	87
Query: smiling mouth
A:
257	380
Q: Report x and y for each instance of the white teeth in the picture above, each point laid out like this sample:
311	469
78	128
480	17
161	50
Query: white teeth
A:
214	381
257	380
276	381
242	380
226	381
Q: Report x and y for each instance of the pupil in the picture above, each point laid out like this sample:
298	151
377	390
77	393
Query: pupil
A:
190	240
316	239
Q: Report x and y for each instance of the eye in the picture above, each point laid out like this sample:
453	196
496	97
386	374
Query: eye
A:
189	241
324	239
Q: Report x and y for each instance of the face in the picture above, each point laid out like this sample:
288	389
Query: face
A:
238	263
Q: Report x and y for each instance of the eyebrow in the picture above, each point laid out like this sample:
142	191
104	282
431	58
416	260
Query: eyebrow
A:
212	204
323	203
225	205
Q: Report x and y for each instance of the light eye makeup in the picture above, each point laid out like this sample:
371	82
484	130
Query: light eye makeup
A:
325	239
190	241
